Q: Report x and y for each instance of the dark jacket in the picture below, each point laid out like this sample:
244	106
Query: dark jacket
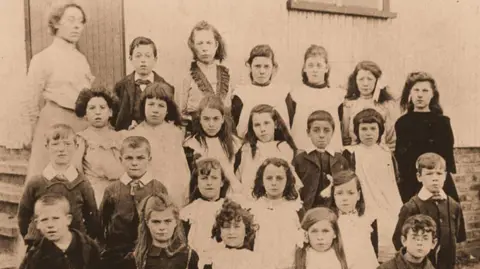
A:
399	262
185	258
83	253
79	194
129	95
313	177
448	216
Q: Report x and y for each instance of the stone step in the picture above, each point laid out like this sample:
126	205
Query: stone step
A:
8	225
10	193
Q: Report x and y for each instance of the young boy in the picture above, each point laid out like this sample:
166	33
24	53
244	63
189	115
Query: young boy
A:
60	247
60	177
119	208
316	165
143	56
418	239
432	201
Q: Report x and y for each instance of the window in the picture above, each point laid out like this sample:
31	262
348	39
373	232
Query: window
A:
365	8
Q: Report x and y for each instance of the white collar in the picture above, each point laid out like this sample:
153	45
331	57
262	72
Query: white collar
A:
145	179
50	173
328	149
150	77
425	194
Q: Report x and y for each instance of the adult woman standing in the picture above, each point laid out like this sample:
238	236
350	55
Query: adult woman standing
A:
55	78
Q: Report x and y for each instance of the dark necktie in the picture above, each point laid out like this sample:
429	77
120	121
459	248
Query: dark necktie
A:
436	197
134	186
142	82
61	177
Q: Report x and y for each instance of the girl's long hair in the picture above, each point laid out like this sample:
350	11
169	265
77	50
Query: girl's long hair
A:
221	52
337	244
204	168
158	90
312	51
353	93
225	134
289	193
157	202
412	78
281	133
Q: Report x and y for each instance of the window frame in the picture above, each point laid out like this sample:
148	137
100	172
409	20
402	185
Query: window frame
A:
308	5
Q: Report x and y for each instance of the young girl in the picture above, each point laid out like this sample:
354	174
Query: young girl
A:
262	67
355	225
366	90
314	94
422	129
206	77
267	136
376	168
234	230
212	138
323	246
98	154
162	129
208	188
161	240
277	212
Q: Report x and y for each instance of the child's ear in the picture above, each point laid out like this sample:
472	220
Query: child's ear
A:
435	241
110	113
419	177
69	219
130	57
150	158
403	239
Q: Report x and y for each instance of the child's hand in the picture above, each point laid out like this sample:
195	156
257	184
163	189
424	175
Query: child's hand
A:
133	125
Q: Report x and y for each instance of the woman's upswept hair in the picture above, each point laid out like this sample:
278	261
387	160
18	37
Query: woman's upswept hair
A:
87	94
313	216
159	90
412	78
368	115
290	193
312	51
353	93
225	134
57	13
281	133
234	212
203	168
221	53
158	203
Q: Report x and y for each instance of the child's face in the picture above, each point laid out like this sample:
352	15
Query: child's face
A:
346	196
365	83
135	161
368	133
98	112
62	150
263	126
210	185
274	181
315	68
261	69
321	235
418	244
205	46
320	133
233	233
162	225
143	59
432	179
211	121
421	94
155	111
70	26
53	221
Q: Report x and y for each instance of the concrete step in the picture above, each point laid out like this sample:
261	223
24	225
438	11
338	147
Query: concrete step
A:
10	193
8	225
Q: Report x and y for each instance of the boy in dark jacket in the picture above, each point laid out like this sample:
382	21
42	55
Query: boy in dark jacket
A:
60	247
316	165
432	201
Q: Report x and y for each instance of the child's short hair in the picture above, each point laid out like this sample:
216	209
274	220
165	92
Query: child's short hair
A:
203	168
59	131
56	15
312	51
320	115
51	199
87	94
418	223
141	40
341	178
262	50
290	193
230	212
159	90
369	115
135	142
412	79
221	53
430	160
